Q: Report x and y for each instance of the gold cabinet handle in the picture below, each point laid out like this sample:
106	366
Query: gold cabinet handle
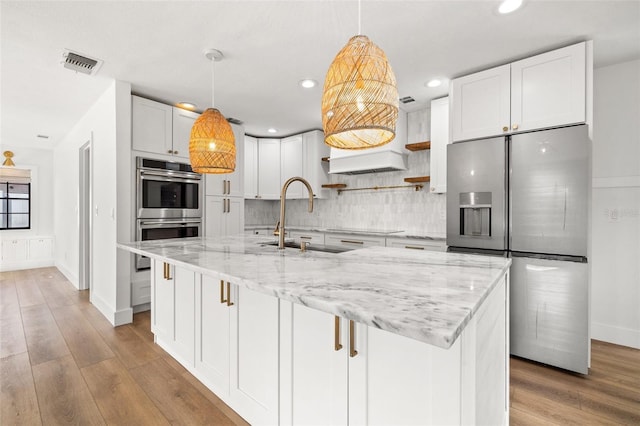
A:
351	242
222	299
414	247
228	187
167	271
229	302
505	128
175	152
514	127
352	339
228	205
169	152
336	344
304	237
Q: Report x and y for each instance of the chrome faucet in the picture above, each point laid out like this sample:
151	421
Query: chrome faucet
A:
283	198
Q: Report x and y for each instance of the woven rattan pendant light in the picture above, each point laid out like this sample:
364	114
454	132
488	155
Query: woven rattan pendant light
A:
360	97
212	147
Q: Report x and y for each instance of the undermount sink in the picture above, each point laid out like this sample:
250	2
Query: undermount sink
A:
311	247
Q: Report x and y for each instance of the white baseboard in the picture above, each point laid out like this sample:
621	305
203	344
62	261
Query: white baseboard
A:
116	318
25	264
73	278
617	335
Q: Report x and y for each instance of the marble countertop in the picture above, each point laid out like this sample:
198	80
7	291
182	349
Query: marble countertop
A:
372	232
425	295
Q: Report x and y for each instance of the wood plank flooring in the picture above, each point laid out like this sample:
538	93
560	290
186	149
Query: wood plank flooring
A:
61	362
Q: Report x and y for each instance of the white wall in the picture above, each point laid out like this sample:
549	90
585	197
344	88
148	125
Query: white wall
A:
40	162
615	260
100	126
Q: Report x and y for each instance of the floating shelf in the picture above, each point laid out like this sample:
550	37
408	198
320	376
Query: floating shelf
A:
418	179
418	146
334	185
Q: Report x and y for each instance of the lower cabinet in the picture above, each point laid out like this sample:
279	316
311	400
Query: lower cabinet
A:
173	310
276	362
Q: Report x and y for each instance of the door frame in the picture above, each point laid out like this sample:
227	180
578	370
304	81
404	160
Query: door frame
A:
85	234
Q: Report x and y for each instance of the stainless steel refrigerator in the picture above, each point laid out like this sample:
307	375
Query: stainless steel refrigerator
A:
527	196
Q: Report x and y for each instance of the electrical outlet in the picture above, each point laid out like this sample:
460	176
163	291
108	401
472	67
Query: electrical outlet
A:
613	215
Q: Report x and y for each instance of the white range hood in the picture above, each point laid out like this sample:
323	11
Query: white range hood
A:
389	157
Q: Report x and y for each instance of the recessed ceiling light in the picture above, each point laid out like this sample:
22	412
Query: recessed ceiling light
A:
308	83
434	83
508	6
187	105
272	130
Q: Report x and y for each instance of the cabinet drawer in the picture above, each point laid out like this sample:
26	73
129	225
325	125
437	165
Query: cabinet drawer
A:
416	244
353	241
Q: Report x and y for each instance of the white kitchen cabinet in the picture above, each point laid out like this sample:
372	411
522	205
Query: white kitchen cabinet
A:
223	216
439	141
229	184
353	241
182	123
151	126
391	379
543	91
213	319
254	355
250	167
173	313
14	250
481	104
416	244
315	171
549	90
40	249
269	169
291	164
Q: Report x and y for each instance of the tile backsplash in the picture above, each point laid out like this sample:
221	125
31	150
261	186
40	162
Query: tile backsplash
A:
402	209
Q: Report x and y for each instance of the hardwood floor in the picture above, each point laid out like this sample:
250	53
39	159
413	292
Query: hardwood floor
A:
62	362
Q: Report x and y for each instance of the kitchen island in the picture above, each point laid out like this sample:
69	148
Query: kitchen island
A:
370	336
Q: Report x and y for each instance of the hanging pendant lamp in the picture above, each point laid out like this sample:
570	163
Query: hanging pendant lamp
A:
360	97
212	147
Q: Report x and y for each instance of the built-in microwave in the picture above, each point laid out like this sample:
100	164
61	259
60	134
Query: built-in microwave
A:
166	189
161	229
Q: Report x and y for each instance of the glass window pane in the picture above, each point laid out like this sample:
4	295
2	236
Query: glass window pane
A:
18	220
3	206
3	190
18	190
3	221
18	206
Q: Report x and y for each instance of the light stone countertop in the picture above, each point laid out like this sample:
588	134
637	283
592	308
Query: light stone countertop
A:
425	295
371	232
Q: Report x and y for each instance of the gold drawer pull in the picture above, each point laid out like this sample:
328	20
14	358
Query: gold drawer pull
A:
167	271
304	237
229	302
414	247
337	346
352	340
351	242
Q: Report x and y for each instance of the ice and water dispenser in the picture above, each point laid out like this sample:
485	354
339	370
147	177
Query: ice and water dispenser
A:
475	214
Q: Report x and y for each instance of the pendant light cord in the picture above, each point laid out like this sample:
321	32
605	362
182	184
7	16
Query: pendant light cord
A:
359	17
213	82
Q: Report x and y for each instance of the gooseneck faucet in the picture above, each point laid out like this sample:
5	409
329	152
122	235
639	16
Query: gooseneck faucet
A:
283	198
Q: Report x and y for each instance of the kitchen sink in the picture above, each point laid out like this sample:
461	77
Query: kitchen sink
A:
311	247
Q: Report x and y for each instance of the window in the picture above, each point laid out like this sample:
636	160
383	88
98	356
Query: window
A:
15	203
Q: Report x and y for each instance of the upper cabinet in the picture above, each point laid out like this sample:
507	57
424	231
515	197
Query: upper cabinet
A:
269	163
542	91
159	128
230	184
439	141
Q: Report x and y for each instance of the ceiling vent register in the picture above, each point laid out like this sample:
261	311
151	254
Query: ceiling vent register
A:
80	63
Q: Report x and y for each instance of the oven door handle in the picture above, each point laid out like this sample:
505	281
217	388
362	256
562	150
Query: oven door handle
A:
165	177
166	224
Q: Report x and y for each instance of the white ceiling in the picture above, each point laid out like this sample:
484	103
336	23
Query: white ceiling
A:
269	46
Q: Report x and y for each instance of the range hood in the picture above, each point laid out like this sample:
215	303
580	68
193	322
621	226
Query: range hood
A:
386	158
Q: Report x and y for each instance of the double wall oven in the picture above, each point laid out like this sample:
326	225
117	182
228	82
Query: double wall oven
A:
168	202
